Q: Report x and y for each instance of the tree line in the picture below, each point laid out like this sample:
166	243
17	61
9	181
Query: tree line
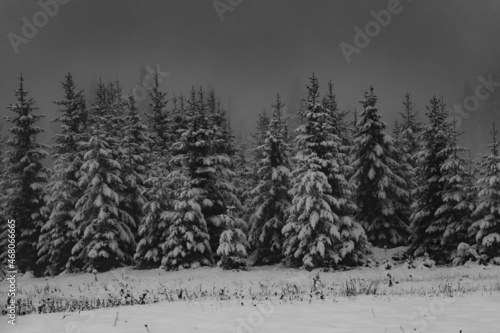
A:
178	190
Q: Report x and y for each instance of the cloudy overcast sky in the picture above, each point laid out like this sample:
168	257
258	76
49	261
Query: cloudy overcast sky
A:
260	48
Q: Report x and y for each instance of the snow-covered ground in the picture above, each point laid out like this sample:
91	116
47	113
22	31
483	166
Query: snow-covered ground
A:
471	314
388	298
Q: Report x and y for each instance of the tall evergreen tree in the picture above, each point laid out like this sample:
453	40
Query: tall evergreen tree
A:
219	119
486	227
154	226
188	239
178	116
165	128
408	134
410	130
382	191
426	235
233	243
104	229
57	240
458	195
257	139
270	197
243	180
26	178
219	169
159	121
117	106
202	180
314	234
134	153
259	136
340	125
341	133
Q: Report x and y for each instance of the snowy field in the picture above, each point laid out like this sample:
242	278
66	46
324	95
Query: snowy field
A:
390	297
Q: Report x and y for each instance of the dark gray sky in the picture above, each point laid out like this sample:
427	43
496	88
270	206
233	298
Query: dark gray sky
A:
262	47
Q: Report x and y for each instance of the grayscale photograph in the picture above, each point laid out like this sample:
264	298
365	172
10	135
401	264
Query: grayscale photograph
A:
250	166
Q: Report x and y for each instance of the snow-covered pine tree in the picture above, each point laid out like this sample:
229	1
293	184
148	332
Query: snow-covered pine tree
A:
340	126
178	120
382	190
458	195
342	133
26	177
233	243
117	105
165	128
314	234
224	143
410	131
257	139
396	131
259	136
243	177
188	243
271	200
203	175
104	230
219	168
188	240
408	140
154	226
57	240
134	153
159	121
486	227
426	236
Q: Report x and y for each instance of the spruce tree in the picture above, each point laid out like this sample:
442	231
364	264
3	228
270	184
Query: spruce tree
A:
233	242
187	244
256	140
426	235
340	125
117	106
202	183
160	185
259	136
188	240
396	131
486	227
243	179
57	239
382	190
26	177
410	130
154	226
164	129
314	234
159	121
178	119
341	133
219	168
218	116
134	153
270	197
458	195
104	229
407	137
